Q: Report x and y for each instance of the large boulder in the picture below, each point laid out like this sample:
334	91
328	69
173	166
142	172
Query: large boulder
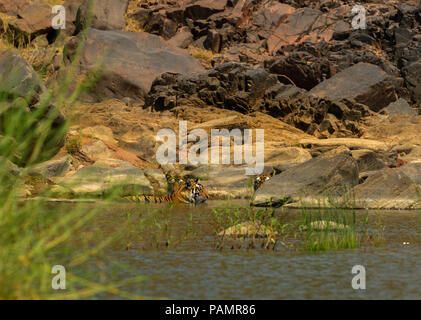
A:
18	79
305	24
413	170
102	14
319	178
53	168
284	158
387	189
106	176
21	90
129	62
224	182
33	20
399	107
363	82
412	74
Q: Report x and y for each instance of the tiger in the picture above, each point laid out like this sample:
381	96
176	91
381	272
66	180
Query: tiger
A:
259	180
189	191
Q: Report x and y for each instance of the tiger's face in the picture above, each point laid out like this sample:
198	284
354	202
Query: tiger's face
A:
261	179
196	192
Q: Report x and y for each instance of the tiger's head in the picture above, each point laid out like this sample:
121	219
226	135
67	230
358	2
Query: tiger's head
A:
259	180
196	193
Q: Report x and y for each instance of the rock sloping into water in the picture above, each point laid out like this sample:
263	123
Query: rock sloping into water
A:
318	177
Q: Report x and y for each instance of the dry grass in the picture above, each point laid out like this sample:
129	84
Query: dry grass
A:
203	55
131	24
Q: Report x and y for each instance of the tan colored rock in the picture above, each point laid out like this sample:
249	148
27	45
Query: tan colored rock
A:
100	132
387	189
286	157
249	230
106	176
351	143
96	150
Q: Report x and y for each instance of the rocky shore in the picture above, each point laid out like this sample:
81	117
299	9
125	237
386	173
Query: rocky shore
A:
340	107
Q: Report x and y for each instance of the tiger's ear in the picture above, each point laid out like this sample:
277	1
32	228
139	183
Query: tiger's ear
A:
196	180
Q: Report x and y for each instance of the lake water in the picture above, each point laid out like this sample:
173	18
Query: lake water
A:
181	258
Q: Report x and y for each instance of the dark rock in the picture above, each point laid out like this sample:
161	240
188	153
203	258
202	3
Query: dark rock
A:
102	14
297	67
368	160
18	79
33	20
399	107
363	82
21	90
202	9
141	16
183	39
412	74
131	61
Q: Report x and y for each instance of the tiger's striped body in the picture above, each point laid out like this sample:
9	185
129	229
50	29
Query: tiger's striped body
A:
189	191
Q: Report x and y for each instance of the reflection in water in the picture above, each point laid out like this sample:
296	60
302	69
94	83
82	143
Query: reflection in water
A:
177	250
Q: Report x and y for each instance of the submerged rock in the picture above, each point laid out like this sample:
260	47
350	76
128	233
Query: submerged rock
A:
322	225
248	230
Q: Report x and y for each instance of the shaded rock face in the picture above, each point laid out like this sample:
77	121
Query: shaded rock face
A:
18	78
53	168
203	9
387	189
413	170
131	61
245	89
20	92
318	177
399	107
102	14
363	82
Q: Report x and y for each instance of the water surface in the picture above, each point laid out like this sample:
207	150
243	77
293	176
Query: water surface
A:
194	268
